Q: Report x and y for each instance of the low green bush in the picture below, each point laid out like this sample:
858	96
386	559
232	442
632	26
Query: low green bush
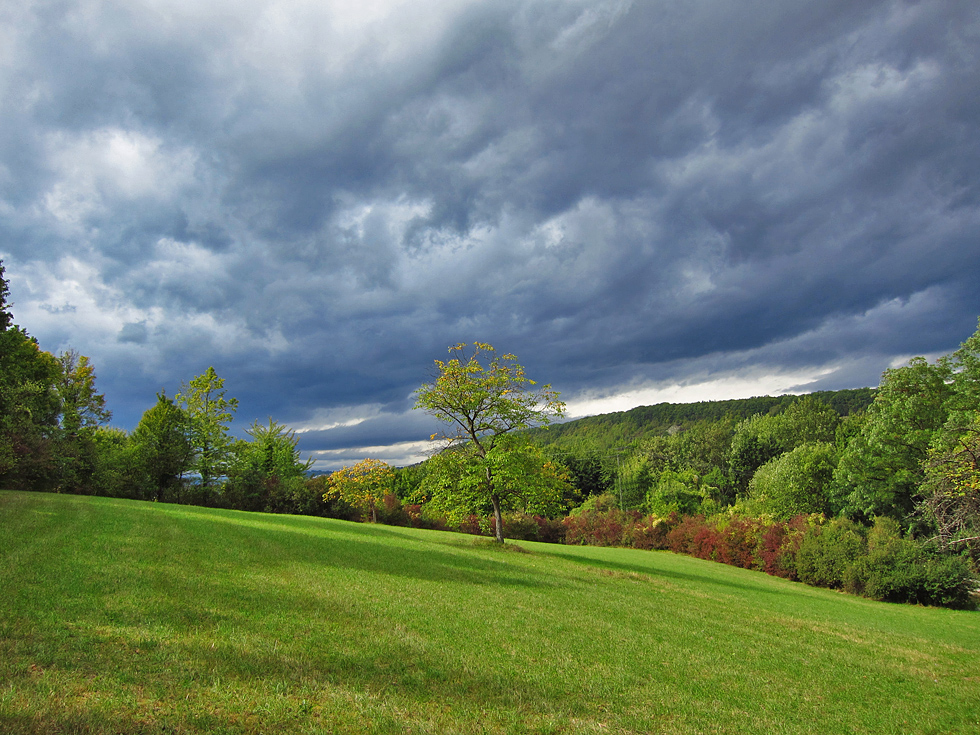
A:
897	569
827	551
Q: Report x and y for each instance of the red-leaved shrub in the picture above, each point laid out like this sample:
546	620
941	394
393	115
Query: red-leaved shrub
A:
595	529
470	524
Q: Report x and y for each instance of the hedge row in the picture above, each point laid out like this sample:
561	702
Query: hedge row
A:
839	554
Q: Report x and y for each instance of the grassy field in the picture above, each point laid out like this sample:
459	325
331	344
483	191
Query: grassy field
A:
121	616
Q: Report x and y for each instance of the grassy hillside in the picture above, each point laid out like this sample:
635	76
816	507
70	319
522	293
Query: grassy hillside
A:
122	616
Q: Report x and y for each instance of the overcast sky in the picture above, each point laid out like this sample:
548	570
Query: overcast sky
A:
645	201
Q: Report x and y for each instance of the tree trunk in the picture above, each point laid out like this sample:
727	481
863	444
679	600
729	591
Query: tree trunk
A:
498	519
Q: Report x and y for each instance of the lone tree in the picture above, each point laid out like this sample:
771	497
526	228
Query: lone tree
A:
363	485
487	400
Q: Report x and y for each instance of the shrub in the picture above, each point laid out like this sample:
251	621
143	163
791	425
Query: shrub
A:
595	504
595	528
518	526
420	516
682	538
391	511
650	532
826	552
737	542
902	570
778	544
550	530
470	524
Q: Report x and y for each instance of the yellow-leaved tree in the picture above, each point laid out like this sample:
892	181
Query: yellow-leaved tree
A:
363	485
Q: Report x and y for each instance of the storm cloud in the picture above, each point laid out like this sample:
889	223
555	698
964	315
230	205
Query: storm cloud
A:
643	200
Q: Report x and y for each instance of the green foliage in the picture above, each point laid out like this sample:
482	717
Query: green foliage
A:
587	470
795	482
827	552
808	421
164	447
762	438
210	412
882	467
81	406
485	398
6	319
964	364
896	569
407	480
82	410
319	502
267	473
757	440
677	492
704	448
619	429
849	428
29	408
949	497
523	479
118	471
951	491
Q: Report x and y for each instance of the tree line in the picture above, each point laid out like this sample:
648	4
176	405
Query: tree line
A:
882	501
902	457
54	436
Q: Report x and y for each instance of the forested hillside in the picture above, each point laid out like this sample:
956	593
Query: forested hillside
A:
611	430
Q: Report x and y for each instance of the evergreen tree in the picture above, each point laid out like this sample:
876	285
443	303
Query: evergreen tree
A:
267	472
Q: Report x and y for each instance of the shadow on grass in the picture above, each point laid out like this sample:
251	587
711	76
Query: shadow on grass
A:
431	565
364	548
258	676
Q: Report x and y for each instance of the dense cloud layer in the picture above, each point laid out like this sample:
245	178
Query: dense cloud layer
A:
669	200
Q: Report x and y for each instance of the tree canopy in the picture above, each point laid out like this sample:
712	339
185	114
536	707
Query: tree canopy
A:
267	472
486	399
362	485
162	442
210	413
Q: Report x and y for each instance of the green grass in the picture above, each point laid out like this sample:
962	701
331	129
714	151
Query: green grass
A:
121	616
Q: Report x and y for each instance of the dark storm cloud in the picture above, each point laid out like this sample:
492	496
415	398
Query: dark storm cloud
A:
317	198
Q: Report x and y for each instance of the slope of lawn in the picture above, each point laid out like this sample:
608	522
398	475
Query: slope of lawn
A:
122	616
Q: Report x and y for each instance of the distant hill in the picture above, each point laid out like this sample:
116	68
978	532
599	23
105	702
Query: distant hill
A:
623	427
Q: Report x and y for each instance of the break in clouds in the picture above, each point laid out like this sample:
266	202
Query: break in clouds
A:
665	200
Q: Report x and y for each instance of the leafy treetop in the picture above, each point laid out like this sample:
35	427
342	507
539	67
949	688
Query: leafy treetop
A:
364	484
210	412
484	395
5	317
